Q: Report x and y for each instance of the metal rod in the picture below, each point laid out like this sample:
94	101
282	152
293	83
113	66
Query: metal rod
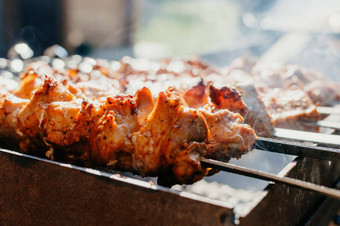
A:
293	148
323	123
319	138
328	110
330	192
333	125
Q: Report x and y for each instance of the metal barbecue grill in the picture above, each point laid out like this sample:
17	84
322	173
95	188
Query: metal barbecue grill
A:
293	179
40	191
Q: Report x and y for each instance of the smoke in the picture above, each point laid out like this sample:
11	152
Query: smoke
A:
322	54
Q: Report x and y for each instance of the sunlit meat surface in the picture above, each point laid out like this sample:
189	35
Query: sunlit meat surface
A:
10	107
321	90
191	78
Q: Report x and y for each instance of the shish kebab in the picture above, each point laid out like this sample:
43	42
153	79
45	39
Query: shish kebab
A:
282	108
160	75
264	105
49	92
131	73
129	133
43	96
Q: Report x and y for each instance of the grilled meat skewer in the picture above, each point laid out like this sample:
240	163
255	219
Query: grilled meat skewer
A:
130	133
103	128
266	107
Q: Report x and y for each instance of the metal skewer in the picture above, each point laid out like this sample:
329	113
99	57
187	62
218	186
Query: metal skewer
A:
328	110
319	138
333	125
293	148
334	193
323	123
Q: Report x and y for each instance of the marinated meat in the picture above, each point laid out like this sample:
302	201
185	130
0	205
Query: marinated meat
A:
192	79
123	115
122	132
244	100
10	107
197	96
288	108
111	135
171	128
228	136
320	89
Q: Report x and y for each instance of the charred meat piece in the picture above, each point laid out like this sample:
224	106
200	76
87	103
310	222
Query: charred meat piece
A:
323	92
197	96
227	98
54	118
32	78
171	138
228	137
10	107
32	115
244	100
111	135
288	108
320	89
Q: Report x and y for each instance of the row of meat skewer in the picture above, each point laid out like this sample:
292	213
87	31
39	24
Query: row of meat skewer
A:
154	118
